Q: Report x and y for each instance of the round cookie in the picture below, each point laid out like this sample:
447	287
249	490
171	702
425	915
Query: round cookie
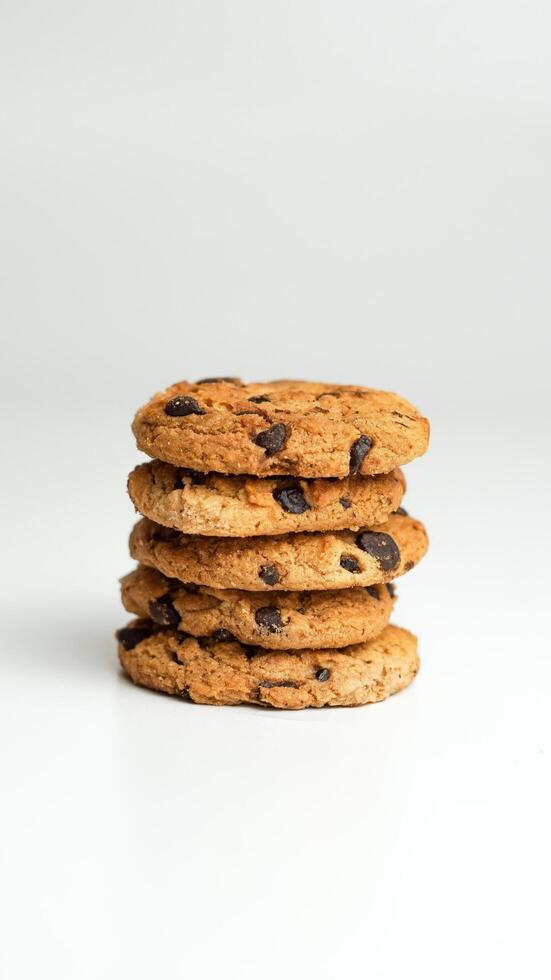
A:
229	673
245	506
285	621
299	428
318	560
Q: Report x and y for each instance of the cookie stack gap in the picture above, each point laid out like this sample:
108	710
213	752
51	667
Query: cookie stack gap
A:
272	529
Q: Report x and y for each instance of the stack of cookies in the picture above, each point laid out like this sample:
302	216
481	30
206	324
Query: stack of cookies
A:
272	531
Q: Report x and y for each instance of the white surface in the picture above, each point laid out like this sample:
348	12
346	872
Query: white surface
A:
354	192
144	836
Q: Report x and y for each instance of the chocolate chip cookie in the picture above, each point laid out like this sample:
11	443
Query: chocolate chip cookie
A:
297	428
211	672
245	506
289	562
282	621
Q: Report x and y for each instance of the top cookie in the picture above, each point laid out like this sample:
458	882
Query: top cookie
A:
297	428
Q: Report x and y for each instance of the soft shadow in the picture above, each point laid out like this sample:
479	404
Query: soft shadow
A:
69	642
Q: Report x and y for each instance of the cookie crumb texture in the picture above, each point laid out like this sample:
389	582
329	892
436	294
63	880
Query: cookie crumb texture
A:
282	428
296	562
210	672
244	506
281	621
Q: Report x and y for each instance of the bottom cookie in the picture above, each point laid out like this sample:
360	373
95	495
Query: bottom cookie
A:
211	672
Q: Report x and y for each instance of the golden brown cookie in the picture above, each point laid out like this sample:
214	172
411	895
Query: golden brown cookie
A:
282	621
290	562
230	673
245	506
301	428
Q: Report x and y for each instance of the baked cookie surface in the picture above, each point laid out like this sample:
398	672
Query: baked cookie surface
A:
281	621
298	428
289	562
210	672
245	506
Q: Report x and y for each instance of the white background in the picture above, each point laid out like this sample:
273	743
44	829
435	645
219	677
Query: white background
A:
351	191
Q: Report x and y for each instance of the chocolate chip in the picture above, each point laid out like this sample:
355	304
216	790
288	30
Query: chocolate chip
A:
222	636
258	399
190	587
269	574
323	674
195	478
381	547
165	533
291	498
181	635
163	612
212	381
391	589
345	503
132	635
185	695
401	511
269	618
373	591
183	405
272	439
358	452
408	566
350	563
278	684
